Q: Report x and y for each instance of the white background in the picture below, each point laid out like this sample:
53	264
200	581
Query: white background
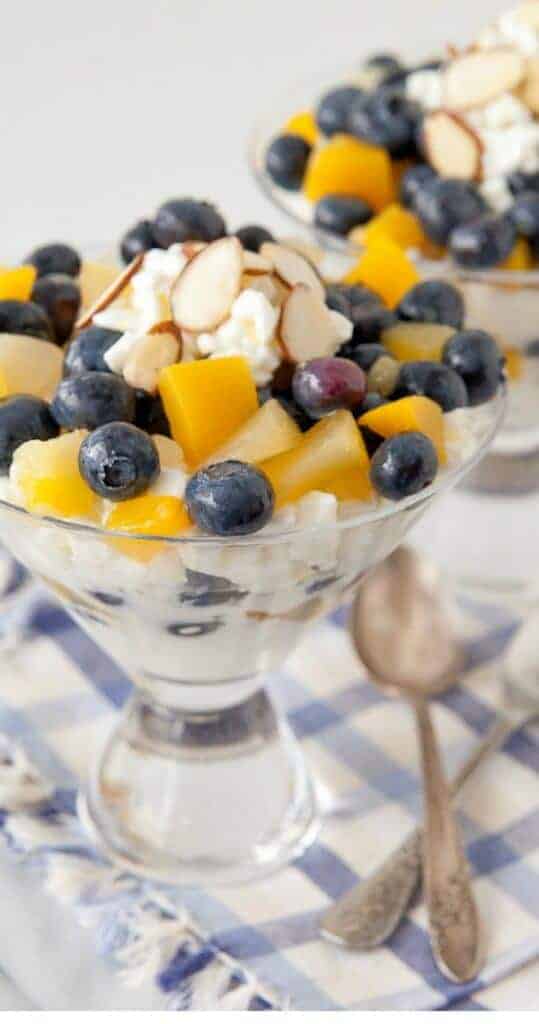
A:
109	107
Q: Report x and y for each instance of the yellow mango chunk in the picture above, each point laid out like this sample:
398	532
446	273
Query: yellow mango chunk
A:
207	401
304	124
4	390
413	413
386	269
514	363
409	342
270	431
46	474
398	170
17	283
354	486
149	515
520	257
332	449
349	167
397	224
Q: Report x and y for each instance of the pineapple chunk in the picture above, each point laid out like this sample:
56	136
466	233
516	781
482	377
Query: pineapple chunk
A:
17	283
333	448
29	366
46	475
94	279
270	431
170	453
409	342
413	413
150	515
354	486
207	401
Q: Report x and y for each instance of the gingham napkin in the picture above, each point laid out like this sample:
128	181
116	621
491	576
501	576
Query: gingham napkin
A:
77	933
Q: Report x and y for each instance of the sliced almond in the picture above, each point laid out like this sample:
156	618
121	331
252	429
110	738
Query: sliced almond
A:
255	263
473	79
306	330
191	249
150	355
451	146
312	253
203	294
167	327
263	283
528	91
111	293
291	267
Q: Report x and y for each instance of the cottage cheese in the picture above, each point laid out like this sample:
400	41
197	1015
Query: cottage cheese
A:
250	332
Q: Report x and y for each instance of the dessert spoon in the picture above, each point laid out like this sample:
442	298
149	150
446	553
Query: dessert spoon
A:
405	639
370	912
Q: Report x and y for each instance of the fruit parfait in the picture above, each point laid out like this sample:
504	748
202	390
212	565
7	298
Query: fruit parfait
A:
219	451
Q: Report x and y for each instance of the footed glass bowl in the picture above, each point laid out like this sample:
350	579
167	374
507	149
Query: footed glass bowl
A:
202	781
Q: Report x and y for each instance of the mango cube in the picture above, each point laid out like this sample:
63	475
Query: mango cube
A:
348	166
17	283
397	224
413	413
520	257
270	431
46	475
409	342
332	449
150	515
514	363
303	124
207	401
386	269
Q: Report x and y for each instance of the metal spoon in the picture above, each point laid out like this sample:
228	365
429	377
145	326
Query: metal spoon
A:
401	632
371	911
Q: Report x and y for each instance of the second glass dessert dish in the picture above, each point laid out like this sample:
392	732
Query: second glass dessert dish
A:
208	465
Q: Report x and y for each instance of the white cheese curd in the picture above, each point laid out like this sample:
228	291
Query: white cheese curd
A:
250	332
515	147
118	354
497	194
426	88
511	29
170	483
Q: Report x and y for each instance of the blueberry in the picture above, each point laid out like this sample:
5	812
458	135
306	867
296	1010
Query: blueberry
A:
433	302
525	214
150	414
404	465
413	181
476	358
521	181
484	242
445	204
366	355
202	590
230	498
23	418
138	239
252	236
286	160
182	220
384	65
340	214
56	258
434	380
321	386
334	107
59	296
86	352
91	400
118	461
25	318
397	79
366	311
386	118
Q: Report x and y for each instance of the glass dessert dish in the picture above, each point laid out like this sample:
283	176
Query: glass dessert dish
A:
202	780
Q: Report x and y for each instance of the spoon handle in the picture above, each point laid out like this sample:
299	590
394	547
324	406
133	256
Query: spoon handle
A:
453	917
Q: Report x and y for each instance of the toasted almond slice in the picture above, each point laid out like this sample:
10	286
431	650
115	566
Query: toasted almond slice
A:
149	356
111	293
202	295
263	283
312	253
528	91
474	79
191	249
306	330
255	263
452	147
291	267
167	327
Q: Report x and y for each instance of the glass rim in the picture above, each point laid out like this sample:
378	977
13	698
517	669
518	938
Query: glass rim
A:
381	513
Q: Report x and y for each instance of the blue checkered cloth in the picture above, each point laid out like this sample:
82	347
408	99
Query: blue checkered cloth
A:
257	946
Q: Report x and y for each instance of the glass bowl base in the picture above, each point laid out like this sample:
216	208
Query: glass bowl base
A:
206	798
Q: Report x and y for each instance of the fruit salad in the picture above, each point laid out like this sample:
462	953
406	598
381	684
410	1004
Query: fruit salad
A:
216	383
440	158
